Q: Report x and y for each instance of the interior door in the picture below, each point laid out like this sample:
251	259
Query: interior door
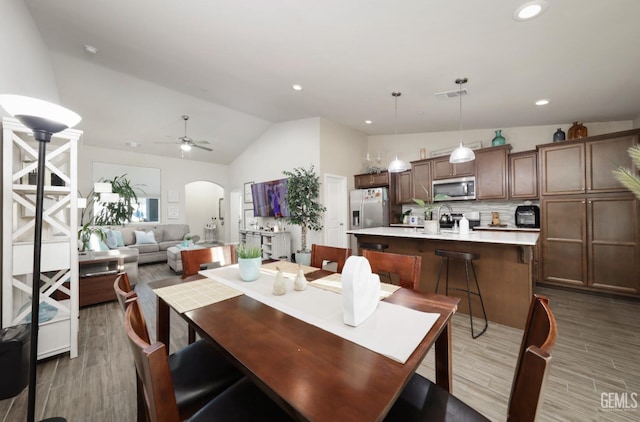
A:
235	216
335	217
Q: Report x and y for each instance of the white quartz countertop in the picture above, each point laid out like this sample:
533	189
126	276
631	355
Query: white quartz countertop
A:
490	236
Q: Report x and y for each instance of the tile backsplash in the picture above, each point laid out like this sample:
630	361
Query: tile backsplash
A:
507	209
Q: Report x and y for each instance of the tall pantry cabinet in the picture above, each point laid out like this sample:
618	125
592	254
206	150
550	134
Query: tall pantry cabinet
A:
590	222
59	264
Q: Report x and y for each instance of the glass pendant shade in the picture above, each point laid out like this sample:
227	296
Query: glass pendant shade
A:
43	117
185	147
398	166
462	154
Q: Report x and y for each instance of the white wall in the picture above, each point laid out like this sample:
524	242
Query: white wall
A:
26	67
521	139
202	199
341	150
175	173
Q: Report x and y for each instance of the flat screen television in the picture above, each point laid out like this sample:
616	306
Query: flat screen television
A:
270	199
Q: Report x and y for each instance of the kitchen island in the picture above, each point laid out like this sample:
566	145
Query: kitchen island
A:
504	269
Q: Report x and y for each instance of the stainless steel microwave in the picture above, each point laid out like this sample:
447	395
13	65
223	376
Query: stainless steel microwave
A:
458	189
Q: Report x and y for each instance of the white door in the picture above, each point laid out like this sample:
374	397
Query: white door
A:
335	218
235	216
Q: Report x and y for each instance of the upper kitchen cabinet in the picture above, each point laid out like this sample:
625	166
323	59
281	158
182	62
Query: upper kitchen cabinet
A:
492	165
421	171
443	169
403	187
585	166
523	175
373	180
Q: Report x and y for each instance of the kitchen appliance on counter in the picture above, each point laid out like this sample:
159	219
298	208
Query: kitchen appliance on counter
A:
528	216
473	217
457	189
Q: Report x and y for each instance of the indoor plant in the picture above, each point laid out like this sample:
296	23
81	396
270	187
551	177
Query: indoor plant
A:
118	213
84	235
249	261
303	189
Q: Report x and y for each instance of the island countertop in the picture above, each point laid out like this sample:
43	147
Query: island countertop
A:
501	237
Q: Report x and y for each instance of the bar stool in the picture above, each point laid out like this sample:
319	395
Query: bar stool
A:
373	246
468	259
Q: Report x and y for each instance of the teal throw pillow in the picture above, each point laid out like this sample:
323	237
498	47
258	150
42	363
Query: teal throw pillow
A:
119	240
112	241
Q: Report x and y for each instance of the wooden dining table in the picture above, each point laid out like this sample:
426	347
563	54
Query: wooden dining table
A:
314	374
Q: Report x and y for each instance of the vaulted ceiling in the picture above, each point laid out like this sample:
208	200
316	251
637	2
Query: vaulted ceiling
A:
230	65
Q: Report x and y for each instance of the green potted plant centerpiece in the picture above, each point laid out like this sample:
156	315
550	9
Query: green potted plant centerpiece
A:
249	261
427	206
303	189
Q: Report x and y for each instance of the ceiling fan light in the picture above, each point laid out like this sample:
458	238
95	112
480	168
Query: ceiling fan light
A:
462	154
185	147
397	166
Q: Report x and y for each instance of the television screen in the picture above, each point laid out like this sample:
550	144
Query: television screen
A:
270	199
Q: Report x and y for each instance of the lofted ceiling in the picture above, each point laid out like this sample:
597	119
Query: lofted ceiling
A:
230	65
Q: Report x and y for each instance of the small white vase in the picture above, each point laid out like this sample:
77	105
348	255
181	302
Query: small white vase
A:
249	268
431	226
303	258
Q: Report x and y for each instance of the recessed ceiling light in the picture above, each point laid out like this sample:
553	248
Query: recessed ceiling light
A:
530	10
542	102
368	122
297	87
90	49
133	144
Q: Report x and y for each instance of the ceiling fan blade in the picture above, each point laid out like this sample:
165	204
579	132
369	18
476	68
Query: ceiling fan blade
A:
165	142
201	142
201	147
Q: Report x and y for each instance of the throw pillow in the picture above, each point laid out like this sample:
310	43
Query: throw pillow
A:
112	241
119	239
143	238
96	244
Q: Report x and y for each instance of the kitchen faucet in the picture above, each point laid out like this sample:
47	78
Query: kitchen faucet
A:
440	208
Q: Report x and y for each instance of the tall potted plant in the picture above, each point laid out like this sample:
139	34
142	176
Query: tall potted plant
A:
118	213
303	189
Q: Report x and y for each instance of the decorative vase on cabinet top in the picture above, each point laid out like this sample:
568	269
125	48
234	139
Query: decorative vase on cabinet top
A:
577	130
559	135
498	139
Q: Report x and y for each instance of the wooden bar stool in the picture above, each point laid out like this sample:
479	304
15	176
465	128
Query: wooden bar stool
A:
468	259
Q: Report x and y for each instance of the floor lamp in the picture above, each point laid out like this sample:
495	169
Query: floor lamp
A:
44	119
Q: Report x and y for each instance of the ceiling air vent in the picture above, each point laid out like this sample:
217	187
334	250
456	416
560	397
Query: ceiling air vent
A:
451	94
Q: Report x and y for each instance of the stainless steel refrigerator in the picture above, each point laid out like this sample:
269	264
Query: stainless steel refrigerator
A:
368	208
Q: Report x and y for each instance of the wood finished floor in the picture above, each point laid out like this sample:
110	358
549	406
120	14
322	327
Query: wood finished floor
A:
596	352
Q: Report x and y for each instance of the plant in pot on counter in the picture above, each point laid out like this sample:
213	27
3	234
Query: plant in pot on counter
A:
427	204
303	189
249	261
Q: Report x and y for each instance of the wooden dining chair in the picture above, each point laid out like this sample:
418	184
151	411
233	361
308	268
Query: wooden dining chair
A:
423	400
123	290
405	267
193	259
320	253
240	400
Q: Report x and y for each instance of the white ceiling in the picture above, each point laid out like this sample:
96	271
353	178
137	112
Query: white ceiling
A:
230	66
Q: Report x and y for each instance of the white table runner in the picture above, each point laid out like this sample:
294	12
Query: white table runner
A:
393	331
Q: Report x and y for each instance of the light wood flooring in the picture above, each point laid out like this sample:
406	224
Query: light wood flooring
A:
597	352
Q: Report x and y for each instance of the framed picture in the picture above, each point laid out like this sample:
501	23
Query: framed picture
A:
173	213
247	193
248	218
173	196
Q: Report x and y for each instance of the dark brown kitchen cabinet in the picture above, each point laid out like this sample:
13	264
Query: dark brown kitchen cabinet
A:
523	175
492	165
403	187
592	243
442	169
585	165
421	172
374	180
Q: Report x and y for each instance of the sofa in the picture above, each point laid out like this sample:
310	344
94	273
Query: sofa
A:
142	244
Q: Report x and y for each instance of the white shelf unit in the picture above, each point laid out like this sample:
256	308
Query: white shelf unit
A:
59	258
274	245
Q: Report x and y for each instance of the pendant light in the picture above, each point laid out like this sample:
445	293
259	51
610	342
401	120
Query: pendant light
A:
397	165
461	154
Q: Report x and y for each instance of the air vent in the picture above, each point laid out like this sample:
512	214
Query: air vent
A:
451	94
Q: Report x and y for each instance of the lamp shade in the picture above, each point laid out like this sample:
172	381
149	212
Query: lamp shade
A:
398	166
185	147
39	114
100	187
462	154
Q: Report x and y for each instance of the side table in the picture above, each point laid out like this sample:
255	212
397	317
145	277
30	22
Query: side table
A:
97	273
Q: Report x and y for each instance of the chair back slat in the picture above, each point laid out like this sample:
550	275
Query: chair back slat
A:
406	267
152	365
539	337
320	253
192	259
124	292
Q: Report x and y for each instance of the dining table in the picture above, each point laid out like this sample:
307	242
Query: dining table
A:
312	373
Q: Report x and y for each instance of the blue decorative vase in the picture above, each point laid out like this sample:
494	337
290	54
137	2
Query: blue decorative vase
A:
559	135
498	139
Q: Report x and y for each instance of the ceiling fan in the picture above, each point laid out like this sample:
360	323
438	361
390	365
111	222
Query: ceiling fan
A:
185	142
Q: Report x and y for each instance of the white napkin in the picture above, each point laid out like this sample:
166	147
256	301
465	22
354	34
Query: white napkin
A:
360	290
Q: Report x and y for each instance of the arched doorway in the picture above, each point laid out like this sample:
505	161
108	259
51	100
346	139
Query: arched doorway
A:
204	205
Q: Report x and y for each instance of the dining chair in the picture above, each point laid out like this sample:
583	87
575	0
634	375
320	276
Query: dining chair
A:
240	400
199	371
405	267
320	253
194	259
423	400
124	292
